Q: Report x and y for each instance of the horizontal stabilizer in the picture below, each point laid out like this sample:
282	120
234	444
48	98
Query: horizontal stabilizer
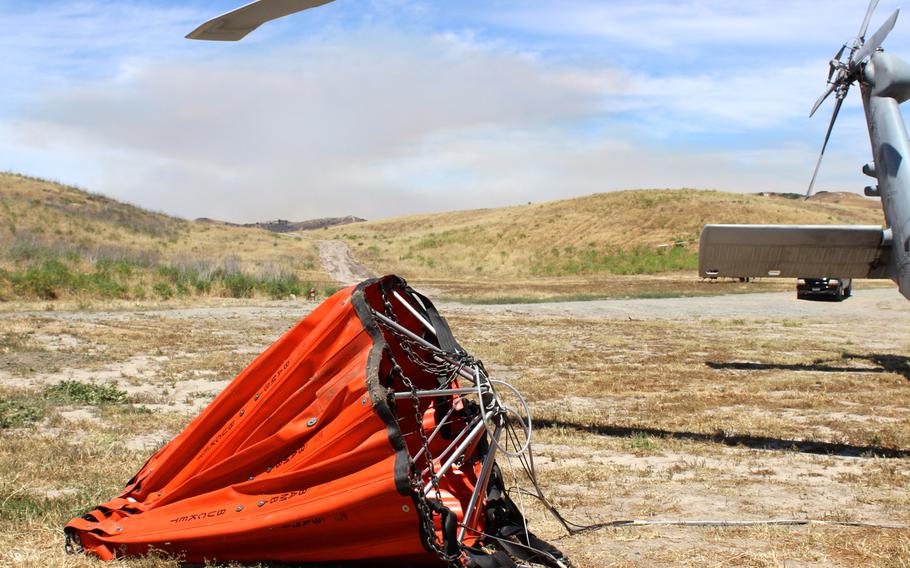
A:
236	24
839	251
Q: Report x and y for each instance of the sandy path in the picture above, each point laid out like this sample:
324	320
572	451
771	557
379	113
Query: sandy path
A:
336	258
886	303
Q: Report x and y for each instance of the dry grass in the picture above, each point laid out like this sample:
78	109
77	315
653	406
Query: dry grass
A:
603	286
726	418
119	250
609	232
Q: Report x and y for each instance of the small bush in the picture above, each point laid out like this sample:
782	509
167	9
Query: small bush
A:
202	284
163	290
17	413
642	443
238	284
54	277
102	284
282	286
77	392
44	280
122	268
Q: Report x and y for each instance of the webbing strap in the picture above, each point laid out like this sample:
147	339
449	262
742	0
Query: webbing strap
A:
507	523
439	323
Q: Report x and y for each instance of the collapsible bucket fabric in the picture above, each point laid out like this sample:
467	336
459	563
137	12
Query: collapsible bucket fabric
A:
307	456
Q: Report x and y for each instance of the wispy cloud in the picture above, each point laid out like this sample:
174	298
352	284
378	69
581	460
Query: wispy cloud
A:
712	25
393	106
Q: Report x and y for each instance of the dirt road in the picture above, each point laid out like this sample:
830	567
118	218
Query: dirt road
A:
336	258
886	303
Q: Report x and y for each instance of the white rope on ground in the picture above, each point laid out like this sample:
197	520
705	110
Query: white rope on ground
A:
576	528
741	523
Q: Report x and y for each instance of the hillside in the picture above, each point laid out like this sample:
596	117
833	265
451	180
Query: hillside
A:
626	232
285	226
58	241
63	242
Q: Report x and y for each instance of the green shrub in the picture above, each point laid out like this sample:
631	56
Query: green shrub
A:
46	280
163	290
238	284
102	284
122	268
185	280
53	277
77	392
138	292
16	413
282	286
638	260
203	285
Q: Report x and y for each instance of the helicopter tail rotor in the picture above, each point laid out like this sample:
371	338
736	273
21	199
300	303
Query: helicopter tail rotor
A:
818	163
843	72
876	40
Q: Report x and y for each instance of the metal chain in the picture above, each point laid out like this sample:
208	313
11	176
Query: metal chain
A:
415	478
447	369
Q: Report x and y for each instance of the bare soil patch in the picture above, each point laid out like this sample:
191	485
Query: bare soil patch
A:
337	261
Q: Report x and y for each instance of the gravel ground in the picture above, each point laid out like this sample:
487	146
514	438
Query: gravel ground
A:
863	304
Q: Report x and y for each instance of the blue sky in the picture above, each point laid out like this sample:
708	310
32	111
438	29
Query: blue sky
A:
387	107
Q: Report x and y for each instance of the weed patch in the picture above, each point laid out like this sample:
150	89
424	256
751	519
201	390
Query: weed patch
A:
282	286
18	411
637	260
76	392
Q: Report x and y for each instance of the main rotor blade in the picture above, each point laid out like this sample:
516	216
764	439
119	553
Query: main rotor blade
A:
876	40
821	154
861	36
236	24
822	98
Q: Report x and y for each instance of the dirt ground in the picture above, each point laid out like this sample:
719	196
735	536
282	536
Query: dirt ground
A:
746	407
336	259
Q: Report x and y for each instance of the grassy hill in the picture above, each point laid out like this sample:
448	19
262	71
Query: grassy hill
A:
626	232
58	241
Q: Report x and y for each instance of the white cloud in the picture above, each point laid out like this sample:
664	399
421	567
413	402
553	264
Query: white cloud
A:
378	123
286	134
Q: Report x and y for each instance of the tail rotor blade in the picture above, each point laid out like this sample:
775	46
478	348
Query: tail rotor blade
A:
821	99
861	36
876	40
837	105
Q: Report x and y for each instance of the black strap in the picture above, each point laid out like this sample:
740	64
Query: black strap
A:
506	526
480	559
443	331
449	527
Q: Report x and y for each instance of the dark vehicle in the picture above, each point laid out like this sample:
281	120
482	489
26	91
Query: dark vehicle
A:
824	288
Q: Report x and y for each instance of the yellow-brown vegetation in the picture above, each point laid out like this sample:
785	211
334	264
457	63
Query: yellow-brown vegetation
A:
626	232
59	241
